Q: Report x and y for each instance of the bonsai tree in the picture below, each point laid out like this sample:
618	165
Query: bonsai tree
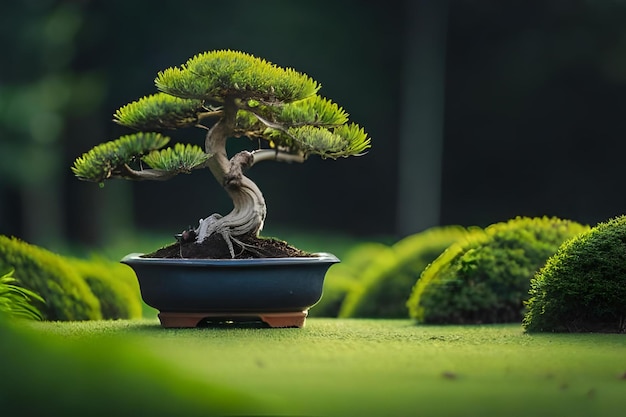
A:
228	94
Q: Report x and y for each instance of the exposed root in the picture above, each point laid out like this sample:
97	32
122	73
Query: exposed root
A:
228	227
250	248
229	241
214	247
215	224
207	227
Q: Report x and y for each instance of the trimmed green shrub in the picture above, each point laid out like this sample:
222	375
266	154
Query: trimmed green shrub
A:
345	278
16	301
582	288
67	295
485	277
336	286
386	287
114	285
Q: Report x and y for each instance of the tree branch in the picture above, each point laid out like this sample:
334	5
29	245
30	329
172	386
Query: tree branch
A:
238	164
281	127
275	155
266	122
144	174
208	114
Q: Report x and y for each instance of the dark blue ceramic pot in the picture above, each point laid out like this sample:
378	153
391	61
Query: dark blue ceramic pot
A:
188	292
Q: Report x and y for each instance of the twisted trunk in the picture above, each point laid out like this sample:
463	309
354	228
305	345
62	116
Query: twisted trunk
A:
249	208
248	214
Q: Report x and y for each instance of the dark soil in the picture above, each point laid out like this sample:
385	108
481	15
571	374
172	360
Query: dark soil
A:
215	247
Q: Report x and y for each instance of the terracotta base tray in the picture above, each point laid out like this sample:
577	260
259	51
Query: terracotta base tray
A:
287	319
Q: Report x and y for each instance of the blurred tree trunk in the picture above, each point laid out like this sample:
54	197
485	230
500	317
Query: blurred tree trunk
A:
421	124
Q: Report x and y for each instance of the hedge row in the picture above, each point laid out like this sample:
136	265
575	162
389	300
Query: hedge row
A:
73	289
550	274
115	286
345	278
387	283
448	274
485	277
375	280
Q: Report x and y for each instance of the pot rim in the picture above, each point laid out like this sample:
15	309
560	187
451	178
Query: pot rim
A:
315	258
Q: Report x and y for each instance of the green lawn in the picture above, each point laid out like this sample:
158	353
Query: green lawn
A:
337	367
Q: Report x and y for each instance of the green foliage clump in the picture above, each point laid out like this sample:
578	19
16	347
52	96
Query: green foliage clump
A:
16	301
314	126
485	277
67	295
115	286
179	159
314	111
214	75
342	141
386	286
108	159
582	288
345	278
159	111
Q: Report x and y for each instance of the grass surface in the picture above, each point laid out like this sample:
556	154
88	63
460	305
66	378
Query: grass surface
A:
338	367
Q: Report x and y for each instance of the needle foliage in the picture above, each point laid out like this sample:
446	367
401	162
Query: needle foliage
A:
159	111
278	105
105	160
16	301
214	75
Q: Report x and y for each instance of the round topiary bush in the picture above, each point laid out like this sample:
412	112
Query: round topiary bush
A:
485	277
582	288
114	285
66	295
386	289
345	278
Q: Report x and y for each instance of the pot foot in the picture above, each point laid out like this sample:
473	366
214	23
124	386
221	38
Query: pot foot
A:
180	319
190	320
294	319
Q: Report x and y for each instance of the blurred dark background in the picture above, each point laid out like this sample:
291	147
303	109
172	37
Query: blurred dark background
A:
479	111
